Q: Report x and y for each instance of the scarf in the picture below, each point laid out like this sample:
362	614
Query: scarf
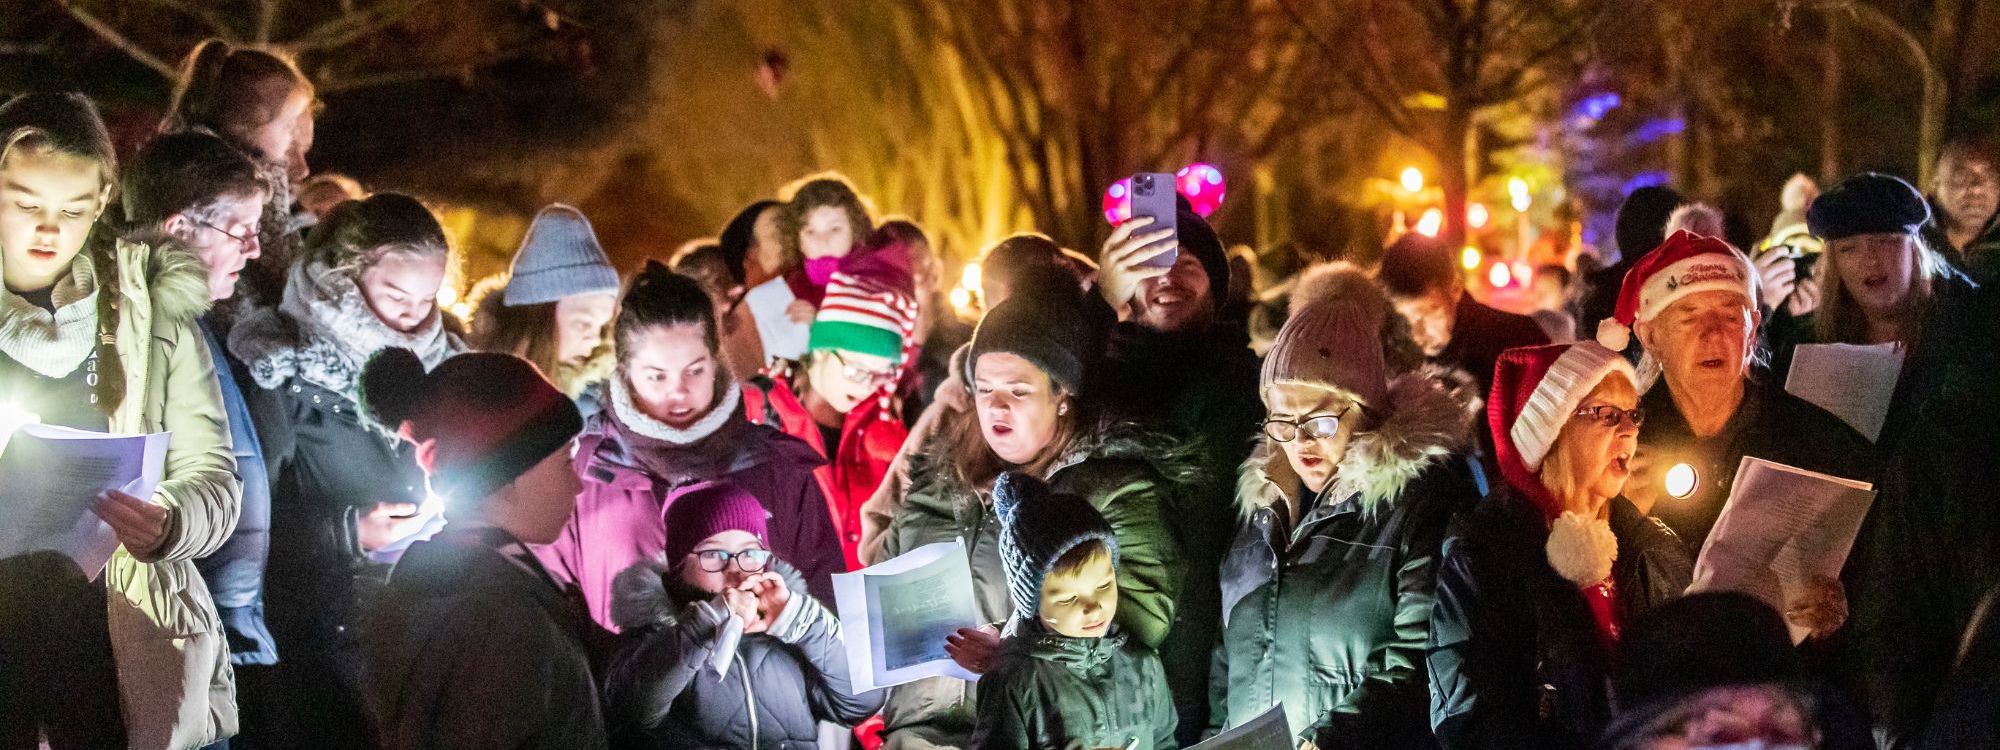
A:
53	344
638	421
335	334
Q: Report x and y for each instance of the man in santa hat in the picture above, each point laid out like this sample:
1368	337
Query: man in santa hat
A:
1691	305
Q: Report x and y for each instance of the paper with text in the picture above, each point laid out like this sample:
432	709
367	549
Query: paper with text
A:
53	475
896	615
1268	731
1781	527
1853	381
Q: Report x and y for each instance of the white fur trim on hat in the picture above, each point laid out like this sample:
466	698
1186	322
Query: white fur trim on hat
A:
1728	272
1581	549
1570	378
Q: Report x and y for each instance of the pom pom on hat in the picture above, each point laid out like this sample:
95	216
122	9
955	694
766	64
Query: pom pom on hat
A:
391	384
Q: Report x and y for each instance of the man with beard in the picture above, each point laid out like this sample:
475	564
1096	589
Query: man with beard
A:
1174	361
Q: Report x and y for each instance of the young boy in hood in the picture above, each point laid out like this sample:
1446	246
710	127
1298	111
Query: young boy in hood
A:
1065	678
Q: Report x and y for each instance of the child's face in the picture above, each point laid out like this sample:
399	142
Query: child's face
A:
1081	603
726	553
48	203
402	289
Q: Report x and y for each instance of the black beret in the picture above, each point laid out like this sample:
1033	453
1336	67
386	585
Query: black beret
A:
1867	203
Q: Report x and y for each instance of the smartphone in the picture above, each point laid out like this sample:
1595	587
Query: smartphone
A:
1153	195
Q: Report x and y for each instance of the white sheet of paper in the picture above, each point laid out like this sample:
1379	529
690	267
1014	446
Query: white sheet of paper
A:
1780	527
53	476
896	615
431	510
783	339
1268	731
1853	381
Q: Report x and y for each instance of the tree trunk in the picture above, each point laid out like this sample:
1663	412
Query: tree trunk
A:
1452	158
1832	82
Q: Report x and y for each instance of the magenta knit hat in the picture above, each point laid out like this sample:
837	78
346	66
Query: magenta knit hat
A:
699	511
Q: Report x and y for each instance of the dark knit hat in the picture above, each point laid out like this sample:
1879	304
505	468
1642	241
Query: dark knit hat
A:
1703	641
559	258
702	510
741	233
489	417
1867	203
1195	235
1037	527
1048	327
1641	223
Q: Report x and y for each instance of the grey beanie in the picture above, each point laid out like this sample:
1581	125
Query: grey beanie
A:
559	258
1038	527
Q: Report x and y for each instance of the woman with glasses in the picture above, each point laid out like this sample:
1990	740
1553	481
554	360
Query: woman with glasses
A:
1532	596
730	651
1327	590
673	417
841	399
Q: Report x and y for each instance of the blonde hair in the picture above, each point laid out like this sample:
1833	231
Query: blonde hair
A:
1840	319
1562	471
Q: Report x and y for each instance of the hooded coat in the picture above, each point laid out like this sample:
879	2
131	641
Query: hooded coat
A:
174	678
1136	479
1053	692
328	466
1330	615
630	463
662	692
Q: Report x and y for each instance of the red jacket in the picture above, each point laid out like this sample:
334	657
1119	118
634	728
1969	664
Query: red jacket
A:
869	439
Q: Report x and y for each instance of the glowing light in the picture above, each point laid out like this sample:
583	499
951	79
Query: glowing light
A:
1523	273
1680	481
1469	257
462	311
961	298
1517	189
1202	185
1431	222
1476	215
447	296
969	278
1118	202
1499	276
1413	179
14	418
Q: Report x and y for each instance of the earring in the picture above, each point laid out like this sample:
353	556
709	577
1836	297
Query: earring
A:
1062	409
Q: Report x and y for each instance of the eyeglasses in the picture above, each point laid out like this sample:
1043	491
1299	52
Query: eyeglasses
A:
1612	416
244	240
861	375
748	561
1311	428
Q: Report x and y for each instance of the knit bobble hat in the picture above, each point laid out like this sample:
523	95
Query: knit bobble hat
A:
870	306
1867	203
1535	391
559	258
1038	527
1335	339
704	509
1049	328
479	420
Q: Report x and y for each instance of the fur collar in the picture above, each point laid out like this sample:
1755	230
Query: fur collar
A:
640	596
173	280
324	333
1431	416
639	422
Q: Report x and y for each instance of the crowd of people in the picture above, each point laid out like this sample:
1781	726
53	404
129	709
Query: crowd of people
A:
606	511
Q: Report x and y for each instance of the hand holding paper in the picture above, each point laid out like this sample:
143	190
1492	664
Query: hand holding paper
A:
897	616
1782	532
80	493
140	526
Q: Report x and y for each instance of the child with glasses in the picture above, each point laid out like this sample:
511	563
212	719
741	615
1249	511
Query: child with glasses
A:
730	650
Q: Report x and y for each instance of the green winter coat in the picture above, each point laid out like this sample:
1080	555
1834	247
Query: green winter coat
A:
1050	692
1135	478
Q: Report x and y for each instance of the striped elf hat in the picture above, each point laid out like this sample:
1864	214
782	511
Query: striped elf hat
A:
860	316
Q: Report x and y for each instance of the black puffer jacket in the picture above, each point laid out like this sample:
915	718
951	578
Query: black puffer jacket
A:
664	693
1330	616
1515	656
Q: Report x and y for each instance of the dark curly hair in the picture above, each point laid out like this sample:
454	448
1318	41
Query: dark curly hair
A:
830	189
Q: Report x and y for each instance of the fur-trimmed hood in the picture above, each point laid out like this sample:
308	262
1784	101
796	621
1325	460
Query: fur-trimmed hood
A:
1431	415
640	596
176	279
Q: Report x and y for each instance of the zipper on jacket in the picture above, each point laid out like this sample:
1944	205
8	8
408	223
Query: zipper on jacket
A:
749	698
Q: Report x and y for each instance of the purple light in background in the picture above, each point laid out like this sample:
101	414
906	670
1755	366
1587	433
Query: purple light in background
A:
1643	179
1596	107
1657	128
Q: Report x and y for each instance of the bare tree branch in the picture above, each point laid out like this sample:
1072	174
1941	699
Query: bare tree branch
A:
351	27
216	23
1389	110
111	36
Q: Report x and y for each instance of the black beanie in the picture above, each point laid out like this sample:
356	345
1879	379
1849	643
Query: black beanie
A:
1703	641
1037	527
1867	203
1047	327
1641	223
1194	235
492	417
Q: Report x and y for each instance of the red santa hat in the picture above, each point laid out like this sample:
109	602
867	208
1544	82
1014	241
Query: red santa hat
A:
1685	264
1536	390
